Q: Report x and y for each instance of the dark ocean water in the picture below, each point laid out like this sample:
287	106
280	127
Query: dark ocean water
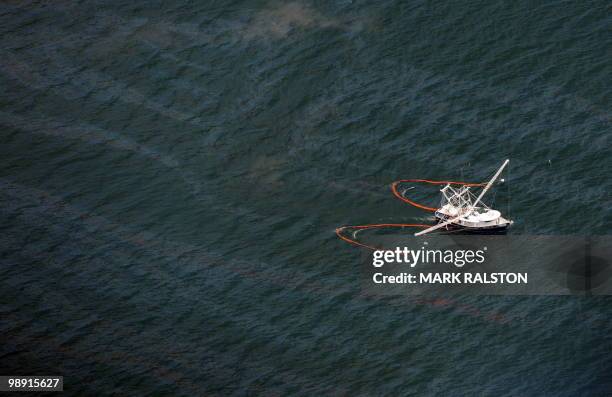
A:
172	175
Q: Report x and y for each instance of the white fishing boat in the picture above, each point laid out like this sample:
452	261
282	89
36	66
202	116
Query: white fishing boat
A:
462	209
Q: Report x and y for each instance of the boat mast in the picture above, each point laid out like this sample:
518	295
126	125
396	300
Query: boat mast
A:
499	171
471	208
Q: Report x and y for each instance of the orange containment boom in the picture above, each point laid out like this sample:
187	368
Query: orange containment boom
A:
396	193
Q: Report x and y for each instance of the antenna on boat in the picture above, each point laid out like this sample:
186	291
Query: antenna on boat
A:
465	214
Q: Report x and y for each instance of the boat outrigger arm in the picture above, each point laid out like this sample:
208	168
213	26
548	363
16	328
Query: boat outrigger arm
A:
470	209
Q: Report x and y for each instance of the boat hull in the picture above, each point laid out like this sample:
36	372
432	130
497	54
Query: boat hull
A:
499	228
455	229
